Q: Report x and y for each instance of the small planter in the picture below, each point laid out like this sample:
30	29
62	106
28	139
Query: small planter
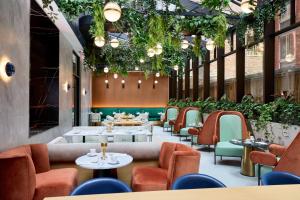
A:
279	133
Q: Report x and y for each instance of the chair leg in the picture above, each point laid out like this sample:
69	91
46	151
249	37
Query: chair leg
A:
215	159
258	174
209	148
221	157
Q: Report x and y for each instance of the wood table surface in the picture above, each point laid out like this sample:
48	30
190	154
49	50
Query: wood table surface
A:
279	192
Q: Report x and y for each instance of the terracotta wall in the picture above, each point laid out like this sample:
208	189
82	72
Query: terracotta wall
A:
130	96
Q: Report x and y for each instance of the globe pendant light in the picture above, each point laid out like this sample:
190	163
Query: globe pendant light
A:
210	45
158	49
157	74
247	6
99	41
105	70
184	44
289	57
114	43
150	52
136	69
142	60
115	76
112	11
176	67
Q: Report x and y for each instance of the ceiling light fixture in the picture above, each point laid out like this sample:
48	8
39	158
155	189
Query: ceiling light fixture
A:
184	44
158	49
99	41
114	43
106	70
142	60
157	74
150	52
112	11
176	67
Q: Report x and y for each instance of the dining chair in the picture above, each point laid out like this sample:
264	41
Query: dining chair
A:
280	178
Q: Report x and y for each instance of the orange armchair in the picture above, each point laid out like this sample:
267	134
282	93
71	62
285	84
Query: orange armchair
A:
175	160
25	174
289	158
207	135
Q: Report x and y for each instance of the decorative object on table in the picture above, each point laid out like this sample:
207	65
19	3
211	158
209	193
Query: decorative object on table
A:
103	150
196	181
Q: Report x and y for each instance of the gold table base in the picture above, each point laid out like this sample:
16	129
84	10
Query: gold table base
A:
247	166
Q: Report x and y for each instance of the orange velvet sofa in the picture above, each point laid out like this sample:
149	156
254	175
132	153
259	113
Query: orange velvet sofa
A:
175	160
289	157
26	175
207	134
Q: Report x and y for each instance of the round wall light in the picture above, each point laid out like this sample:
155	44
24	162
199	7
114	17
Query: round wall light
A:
156	81
84	92
7	69
157	74
66	86
99	41
115	76
114	43
184	44
112	11
10	69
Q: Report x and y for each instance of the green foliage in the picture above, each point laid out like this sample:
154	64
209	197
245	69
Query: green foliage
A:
97	28
215	4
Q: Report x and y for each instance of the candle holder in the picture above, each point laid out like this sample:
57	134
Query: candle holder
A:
103	150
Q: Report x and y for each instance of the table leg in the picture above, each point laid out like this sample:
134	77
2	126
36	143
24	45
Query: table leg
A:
247	167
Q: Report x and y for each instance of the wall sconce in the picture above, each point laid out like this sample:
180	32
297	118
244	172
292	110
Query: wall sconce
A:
7	69
123	83
66	86
139	84
155	82
106	83
84	92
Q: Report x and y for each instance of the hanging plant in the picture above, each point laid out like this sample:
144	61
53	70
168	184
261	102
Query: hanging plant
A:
97	29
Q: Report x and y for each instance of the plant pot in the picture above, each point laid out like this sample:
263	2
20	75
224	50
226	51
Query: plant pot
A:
279	133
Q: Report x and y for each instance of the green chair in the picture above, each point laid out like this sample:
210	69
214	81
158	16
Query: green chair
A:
192	119
171	114
231	125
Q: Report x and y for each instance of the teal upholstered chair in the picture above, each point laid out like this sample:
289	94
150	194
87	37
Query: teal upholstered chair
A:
230	125
171	114
192	119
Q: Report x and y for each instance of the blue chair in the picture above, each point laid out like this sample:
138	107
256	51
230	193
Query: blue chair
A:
101	186
196	181
279	178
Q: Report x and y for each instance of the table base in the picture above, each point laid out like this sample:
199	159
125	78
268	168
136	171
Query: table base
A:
109	173
247	166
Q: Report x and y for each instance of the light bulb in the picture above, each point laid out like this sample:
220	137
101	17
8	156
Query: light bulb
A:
112	11
158	49
210	45
157	74
105	70
142	60
115	76
289	57
136	68
123	81
176	67
106	81
150	52
156	81
114	43
247	7
184	44
99	41
139	81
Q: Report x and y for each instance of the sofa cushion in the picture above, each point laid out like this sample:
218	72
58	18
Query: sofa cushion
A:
228	149
185	131
149	179
56	182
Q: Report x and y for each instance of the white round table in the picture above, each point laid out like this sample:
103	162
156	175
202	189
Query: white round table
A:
104	167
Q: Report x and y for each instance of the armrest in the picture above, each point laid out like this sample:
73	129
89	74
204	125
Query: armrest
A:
172	122
277	150
263	158
215	139
193	131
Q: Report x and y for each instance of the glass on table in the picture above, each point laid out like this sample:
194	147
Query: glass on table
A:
103	150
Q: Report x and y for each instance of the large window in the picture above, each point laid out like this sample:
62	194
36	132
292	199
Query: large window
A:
254	71
213	79
230	77
287	64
